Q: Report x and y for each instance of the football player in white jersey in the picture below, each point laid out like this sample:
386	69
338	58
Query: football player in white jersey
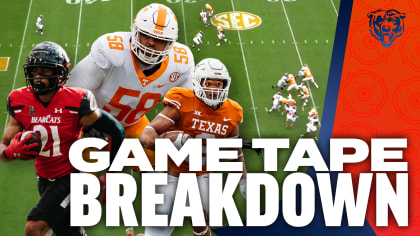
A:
313	121
282	82
277	101
39	25
220	35
203	16
198	40
129	72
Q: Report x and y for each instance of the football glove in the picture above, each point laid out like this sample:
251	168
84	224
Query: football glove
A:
89	132
19	150
242	187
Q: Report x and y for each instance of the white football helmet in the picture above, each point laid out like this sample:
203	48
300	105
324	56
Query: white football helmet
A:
157	21
210	68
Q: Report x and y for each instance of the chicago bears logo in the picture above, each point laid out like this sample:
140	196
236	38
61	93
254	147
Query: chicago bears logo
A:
386	26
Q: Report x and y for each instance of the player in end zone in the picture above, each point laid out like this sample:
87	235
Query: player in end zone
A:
207	105
56	112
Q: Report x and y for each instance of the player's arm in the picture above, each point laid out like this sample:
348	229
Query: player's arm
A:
242	182
235	133
161	123
86	74
102	121
13	128
11	147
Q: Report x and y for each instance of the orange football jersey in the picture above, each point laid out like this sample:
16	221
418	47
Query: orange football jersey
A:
199	120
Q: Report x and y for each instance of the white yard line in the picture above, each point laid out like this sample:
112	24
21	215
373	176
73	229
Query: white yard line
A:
18	65
78	33
183	19
335	9
247	78
298	53
131	12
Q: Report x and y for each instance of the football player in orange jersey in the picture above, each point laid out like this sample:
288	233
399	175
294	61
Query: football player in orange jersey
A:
306	73
304	94
204	112
210	10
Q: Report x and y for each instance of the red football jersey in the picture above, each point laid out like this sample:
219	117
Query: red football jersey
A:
201	121
57	123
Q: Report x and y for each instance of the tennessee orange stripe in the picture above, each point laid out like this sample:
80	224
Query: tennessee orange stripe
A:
161	18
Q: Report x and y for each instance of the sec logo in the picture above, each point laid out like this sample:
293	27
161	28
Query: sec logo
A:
236	20
174	76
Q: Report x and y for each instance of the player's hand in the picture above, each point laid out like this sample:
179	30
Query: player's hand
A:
242	187
19	150
89	132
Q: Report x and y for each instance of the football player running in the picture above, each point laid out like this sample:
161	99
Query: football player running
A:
198	40
203	16
210	10
130	71
39	25
313	121
304	94
207	103
57	113
292	83
220	35
306	73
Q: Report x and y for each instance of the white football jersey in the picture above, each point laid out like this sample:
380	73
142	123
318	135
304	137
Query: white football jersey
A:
111	71
203	15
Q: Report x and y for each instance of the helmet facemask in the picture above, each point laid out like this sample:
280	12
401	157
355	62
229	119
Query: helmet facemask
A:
210	69
54	81
213	96
51	56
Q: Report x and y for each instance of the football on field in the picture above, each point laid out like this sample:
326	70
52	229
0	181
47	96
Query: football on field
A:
35	139
178	137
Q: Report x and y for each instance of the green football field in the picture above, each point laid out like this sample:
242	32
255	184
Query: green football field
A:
266	38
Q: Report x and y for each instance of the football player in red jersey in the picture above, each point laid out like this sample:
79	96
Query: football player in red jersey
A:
207	105
57	113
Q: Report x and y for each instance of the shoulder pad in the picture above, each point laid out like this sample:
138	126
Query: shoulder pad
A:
182	52
104	55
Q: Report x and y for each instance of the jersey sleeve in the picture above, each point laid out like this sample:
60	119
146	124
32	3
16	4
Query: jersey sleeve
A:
87	104
9	107
175	97
86	74
235	111
90	72
185	69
